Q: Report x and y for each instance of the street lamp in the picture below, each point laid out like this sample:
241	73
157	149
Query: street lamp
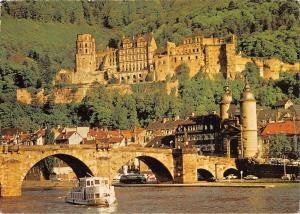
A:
241	175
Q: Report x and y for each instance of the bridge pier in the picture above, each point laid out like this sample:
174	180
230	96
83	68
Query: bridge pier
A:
10	190
177	165
189	165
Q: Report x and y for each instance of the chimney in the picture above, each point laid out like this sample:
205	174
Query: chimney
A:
193	114
165	120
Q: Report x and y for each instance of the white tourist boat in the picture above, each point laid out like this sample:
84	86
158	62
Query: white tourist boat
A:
92	191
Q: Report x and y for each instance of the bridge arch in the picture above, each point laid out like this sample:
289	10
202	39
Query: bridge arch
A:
161	167
230	170
82	162
77	165
204	174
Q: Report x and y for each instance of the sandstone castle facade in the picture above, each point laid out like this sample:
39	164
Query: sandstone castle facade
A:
138	60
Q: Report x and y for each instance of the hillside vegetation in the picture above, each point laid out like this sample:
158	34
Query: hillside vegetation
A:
38	38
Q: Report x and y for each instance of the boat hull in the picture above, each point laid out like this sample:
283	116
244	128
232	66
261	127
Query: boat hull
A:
92	202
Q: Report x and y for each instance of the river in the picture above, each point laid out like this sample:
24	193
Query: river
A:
165	200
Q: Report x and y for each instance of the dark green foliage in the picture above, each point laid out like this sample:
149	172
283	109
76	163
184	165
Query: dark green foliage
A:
279	145
38	38
49	136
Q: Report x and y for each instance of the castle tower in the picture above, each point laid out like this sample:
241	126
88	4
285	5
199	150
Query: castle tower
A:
249	143
230	58
85	53
225	103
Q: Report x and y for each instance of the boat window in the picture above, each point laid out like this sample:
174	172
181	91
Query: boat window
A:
97	195
96	181
88	183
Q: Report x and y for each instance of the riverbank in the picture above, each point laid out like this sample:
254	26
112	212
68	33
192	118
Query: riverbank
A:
261	183
47	184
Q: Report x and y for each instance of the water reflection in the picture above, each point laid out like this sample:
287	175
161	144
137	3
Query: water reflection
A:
166	200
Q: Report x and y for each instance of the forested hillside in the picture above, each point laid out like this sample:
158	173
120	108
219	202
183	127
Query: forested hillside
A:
38	37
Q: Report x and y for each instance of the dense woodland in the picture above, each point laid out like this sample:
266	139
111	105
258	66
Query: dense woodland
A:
37	38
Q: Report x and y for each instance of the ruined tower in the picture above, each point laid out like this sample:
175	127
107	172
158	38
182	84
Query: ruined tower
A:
225	103
249	143
85	53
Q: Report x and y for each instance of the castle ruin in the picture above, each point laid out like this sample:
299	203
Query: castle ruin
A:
138	60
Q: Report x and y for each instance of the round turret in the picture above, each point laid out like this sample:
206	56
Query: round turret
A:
247	95
225	103
249	141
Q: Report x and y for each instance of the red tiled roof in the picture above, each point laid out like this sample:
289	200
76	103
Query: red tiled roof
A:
287	128
11	131
40	133
89	141
104	134
115	140
65	136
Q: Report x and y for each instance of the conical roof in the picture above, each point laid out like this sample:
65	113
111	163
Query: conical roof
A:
247	95
227	96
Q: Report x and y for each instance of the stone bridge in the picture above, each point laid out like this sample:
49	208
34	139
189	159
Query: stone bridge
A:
174	166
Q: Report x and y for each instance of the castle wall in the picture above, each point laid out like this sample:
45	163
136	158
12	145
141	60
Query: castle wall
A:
138	56
269	68
212	60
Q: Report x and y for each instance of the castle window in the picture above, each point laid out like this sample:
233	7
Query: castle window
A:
196	57
140	75
175	59
197	49
86	51
181	58
193	50
189	58
85	45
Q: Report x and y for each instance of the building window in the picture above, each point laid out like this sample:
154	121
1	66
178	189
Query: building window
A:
175	59
196	57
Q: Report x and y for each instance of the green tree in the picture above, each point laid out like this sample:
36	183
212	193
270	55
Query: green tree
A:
49	136
279	145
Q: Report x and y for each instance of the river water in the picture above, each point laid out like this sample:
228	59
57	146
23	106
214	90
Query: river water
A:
165	200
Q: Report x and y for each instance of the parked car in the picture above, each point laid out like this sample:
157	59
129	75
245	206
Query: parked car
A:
289	177
296	163
211	179
231	176
250	177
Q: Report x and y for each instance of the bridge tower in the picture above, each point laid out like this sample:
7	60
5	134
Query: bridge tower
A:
249	143
225	103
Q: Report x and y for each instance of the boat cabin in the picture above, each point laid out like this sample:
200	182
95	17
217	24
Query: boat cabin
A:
93	181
